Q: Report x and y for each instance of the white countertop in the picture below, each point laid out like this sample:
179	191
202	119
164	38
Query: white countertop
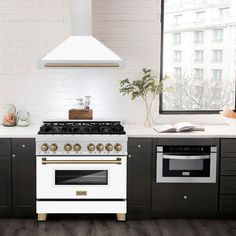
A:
19	132
135	131
211	131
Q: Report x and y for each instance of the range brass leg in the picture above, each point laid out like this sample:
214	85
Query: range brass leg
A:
42	217
121	217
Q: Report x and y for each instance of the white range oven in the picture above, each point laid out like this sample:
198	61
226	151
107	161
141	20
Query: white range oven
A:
81	168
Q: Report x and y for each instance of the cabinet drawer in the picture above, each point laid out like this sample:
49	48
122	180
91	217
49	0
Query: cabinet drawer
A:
23	144
228	148
228	203
139	144
228	166
184	198
5	147
228	184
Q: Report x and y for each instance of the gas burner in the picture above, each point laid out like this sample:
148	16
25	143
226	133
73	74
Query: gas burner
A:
81	127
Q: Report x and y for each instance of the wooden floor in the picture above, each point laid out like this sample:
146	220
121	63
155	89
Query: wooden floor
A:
100	225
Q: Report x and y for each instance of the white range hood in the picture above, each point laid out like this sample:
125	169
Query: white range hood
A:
81	49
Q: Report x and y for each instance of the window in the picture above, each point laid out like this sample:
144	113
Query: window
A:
177	19
198	56
198	36
177	55
177	73
198	74
224	12
216	75
217	55
177	38
218	35
200	15
234	56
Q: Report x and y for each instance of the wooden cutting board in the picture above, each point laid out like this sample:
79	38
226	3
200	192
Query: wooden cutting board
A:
78	114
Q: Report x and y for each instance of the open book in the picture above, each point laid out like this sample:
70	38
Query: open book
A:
178	127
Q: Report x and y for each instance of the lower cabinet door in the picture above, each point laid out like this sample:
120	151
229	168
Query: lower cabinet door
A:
5	185
182	198
23	177
227	203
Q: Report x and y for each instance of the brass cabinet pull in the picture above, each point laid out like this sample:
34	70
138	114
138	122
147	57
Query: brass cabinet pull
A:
46	162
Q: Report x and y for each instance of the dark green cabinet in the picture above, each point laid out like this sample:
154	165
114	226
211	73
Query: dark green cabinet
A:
139	177
5	177
17	177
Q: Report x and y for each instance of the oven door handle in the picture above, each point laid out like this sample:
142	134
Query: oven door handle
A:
47	162
176	157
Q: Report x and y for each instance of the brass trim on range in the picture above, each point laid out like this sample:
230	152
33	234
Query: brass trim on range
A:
81	193
46	162
81	65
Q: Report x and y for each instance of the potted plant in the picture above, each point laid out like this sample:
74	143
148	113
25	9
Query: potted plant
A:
148	87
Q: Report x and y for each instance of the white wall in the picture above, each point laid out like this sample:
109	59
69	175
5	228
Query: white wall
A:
29	28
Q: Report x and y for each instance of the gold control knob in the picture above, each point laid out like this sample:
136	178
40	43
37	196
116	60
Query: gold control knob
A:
53	147
44	147
91	147
109	147
100	147
77	147
67	147
118	147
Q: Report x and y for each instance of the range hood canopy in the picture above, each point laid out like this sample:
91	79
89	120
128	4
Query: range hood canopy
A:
81	49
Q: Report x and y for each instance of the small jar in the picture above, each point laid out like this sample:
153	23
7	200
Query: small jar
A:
9	115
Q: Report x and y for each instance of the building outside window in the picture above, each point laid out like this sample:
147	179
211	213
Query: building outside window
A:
198	73
208	56
216	75
218	34
234	56
177	55
198	37
177	19
217	55
224	12
198	55
177	38
177	72
200	16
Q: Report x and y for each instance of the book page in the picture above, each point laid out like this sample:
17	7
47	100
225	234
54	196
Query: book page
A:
184	126
164	128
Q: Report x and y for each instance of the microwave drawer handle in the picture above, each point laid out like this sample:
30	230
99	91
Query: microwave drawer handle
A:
176	157
47	162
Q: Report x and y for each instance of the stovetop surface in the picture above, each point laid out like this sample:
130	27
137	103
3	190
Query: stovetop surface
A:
81	127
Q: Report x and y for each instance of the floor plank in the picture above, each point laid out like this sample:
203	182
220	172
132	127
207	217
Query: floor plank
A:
101	225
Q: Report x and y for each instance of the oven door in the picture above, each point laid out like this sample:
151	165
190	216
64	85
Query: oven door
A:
186	168
88	177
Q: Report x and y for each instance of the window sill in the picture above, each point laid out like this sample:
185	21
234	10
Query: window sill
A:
194	118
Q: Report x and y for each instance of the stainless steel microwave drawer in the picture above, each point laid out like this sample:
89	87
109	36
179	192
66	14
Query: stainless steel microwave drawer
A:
228	166
228	148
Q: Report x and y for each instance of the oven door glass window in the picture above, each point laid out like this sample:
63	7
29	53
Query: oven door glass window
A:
81	177
185	168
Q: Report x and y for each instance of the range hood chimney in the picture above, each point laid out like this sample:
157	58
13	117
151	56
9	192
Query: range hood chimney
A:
81	49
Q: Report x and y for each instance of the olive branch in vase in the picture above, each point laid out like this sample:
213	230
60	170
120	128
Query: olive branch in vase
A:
147	87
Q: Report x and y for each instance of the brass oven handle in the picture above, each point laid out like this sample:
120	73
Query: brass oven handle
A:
46	162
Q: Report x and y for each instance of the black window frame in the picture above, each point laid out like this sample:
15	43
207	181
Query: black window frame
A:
178	112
